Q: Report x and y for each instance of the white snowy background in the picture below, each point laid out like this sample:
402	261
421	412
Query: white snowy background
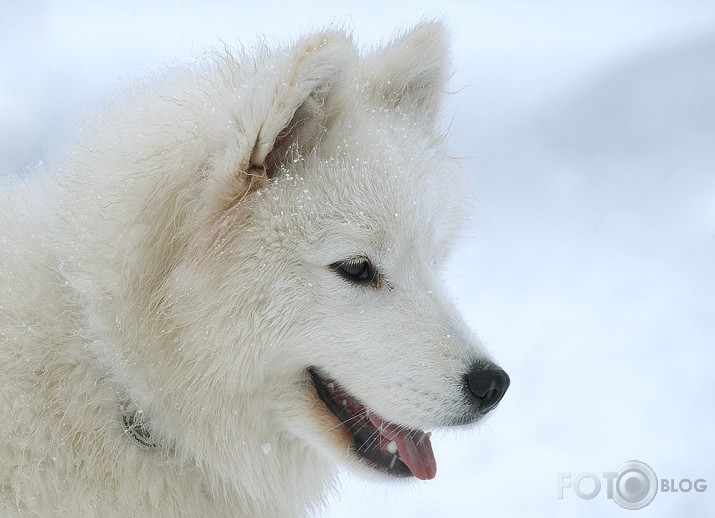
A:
588	129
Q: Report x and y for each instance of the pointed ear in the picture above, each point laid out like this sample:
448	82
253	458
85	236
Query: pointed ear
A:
286	100
303	96
412	71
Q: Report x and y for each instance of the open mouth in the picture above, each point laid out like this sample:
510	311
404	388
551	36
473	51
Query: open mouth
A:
387	447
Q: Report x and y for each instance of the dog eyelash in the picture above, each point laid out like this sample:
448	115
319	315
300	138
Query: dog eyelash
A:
358	270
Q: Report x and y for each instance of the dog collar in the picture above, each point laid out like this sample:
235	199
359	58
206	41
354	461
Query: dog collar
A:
136	427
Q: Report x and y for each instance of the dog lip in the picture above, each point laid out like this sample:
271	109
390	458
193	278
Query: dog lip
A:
375	440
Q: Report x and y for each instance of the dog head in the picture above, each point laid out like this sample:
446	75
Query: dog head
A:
323	225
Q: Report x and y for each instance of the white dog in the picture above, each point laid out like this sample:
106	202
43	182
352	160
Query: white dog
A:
229	285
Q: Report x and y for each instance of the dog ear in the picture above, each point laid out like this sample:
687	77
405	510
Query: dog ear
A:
412	71
286	102
303	97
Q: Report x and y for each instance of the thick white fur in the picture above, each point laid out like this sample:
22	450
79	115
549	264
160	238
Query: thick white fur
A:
156	263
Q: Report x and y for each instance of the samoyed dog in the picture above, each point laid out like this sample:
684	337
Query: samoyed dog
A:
228	287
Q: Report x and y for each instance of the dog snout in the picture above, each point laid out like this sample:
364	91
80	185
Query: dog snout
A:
486	383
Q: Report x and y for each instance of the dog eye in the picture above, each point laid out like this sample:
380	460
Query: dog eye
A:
358	270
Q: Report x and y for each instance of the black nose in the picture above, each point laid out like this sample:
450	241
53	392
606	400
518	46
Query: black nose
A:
487	384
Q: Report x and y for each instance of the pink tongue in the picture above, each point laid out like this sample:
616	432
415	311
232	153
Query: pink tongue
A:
414	447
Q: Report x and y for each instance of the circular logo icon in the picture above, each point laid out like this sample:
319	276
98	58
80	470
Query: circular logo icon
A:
636	485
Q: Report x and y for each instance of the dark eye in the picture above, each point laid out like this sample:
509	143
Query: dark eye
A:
358	270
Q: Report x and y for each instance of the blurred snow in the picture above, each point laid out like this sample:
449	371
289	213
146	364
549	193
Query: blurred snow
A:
589	130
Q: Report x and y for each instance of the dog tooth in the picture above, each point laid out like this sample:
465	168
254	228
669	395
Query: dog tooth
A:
392	462
392	447
345	402
331	386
